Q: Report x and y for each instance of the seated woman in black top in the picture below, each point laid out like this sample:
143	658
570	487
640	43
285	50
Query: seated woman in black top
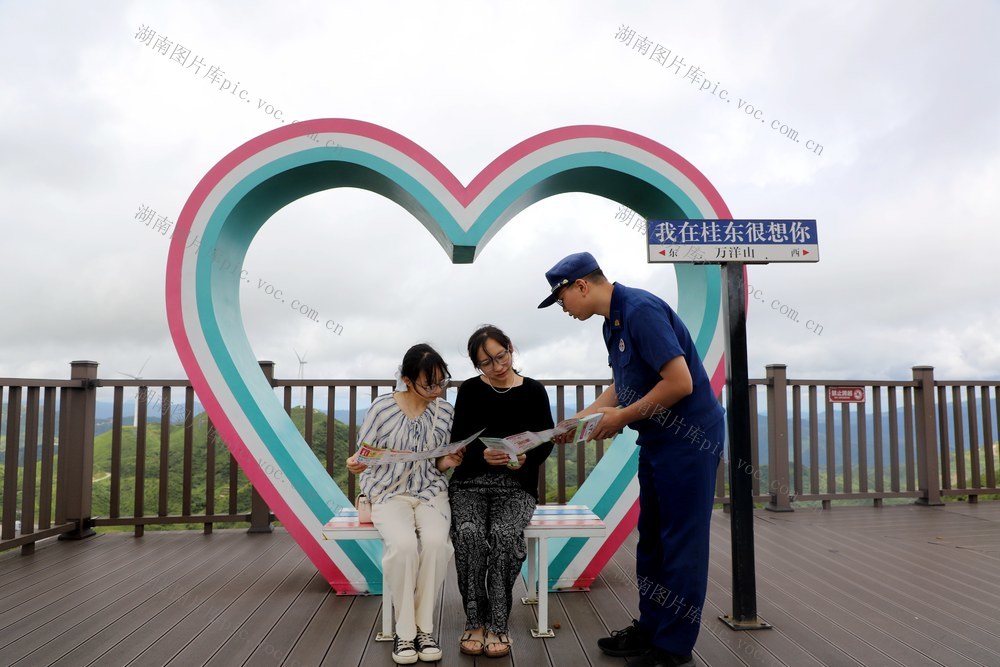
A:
492	498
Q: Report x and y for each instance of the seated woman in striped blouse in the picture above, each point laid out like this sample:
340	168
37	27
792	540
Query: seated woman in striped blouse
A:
410	504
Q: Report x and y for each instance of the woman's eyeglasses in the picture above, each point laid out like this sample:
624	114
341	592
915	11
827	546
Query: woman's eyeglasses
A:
500	359
429	388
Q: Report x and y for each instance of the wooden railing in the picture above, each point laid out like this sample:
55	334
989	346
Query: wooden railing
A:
50	494
921	439
915	439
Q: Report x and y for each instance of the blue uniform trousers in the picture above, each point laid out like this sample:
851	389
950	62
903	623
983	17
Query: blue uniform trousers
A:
676	490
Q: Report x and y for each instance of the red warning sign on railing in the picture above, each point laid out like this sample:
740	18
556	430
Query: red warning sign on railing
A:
845	394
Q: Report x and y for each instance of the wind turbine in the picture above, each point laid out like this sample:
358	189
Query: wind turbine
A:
138	376
302	366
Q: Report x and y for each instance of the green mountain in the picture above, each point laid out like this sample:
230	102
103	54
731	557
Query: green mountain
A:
199	488
174	478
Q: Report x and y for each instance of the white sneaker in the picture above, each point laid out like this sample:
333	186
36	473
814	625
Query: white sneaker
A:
403	651
427	649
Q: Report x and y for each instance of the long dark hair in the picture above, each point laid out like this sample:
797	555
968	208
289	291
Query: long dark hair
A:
422	358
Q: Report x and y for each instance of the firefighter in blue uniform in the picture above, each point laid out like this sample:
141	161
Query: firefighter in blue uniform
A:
660	389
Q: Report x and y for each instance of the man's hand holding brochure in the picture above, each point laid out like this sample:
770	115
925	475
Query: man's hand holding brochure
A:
519	443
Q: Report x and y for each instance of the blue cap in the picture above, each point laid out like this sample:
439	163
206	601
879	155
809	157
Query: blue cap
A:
567	270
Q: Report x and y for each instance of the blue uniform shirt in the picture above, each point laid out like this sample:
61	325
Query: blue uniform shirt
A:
643	333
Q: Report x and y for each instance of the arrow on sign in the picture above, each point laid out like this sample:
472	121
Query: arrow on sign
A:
805	252
663	252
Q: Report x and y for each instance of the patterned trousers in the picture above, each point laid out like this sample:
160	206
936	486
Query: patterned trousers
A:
488	517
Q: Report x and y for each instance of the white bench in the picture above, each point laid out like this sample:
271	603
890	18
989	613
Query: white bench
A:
547	522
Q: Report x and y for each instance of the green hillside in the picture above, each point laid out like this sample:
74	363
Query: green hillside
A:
199	467
175	471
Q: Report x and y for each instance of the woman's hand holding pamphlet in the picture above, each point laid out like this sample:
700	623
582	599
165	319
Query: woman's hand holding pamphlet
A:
374	456
522	442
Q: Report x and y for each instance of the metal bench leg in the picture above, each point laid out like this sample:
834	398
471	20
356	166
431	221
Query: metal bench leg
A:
532	573
386	634
543	629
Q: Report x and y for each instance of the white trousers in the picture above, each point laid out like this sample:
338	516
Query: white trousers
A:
415	561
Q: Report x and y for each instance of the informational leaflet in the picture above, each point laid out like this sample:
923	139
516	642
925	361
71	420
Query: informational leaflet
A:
373	456
519	443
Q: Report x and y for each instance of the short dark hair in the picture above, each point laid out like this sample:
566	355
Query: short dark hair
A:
596	277
422	358
477	341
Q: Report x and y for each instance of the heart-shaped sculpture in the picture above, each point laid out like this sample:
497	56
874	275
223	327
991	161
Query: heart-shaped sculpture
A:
246	187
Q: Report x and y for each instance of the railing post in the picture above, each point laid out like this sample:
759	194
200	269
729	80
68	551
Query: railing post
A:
260	513
76	449
777	439
928	471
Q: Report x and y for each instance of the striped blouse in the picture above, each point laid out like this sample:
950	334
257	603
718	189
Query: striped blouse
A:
386	425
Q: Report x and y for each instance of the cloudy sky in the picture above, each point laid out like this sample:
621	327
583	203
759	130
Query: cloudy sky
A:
100	129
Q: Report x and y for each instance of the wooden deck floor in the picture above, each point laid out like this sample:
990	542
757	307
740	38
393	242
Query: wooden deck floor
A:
900	585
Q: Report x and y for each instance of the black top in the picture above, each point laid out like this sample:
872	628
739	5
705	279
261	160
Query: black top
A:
523	408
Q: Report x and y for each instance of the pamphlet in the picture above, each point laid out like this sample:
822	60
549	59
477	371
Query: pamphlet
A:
373	456
522	442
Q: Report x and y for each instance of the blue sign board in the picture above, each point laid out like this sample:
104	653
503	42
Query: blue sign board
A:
719	241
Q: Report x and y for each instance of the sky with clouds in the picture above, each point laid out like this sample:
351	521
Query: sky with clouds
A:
100	129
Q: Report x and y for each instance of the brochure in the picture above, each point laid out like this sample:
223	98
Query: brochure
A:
522	442
373	456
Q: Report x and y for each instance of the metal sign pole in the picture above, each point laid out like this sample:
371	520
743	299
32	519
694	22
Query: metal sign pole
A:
744	616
